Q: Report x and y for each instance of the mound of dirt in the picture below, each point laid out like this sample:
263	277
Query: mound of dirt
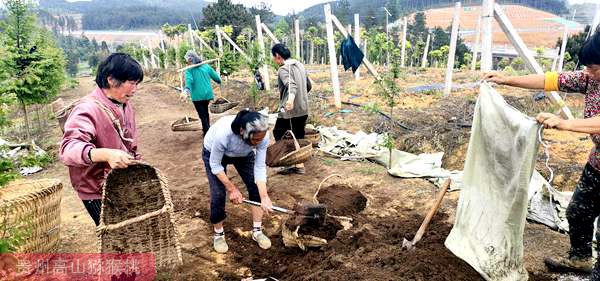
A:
341	200
371	250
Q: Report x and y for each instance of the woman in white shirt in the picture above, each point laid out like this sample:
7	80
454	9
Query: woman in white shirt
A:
241	141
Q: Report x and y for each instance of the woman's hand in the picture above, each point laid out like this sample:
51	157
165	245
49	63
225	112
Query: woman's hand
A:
235	196
116	158
551	121
289	105
495	77
266	204
119	159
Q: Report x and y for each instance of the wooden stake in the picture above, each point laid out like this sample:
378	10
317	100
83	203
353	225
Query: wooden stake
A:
476	44
555	59
191	33
220	44
261	44
357	41
563	46
487	12
403	51
235	46
424	59
335	80
453	37
530	61
269	33
365	49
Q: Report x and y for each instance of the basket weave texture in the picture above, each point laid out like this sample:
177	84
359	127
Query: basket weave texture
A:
313	136
221	105
137	215
63	114
287	152
34	205
186	124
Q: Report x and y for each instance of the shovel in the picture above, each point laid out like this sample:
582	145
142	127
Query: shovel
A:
410	244
304	214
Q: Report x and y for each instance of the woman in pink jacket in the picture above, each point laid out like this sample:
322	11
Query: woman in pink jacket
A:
100	132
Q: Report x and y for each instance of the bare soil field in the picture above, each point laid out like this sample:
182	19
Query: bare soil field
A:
537	28
384	209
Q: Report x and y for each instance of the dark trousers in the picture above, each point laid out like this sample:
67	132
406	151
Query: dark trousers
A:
93	207
202	109
583	209
218	195
296	124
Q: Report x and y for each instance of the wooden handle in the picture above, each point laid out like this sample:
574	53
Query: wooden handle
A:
275	208
432	211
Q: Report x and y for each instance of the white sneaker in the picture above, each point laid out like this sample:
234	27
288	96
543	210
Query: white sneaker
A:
262	240
220	245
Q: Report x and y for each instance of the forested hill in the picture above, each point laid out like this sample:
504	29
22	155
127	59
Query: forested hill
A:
372	12
128	14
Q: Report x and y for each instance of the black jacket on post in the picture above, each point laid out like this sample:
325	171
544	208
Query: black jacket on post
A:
352	56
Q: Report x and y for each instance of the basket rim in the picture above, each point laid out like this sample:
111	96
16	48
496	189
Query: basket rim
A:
303	149
25	194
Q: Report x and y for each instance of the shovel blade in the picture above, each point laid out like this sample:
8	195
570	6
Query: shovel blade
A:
406	244
311	213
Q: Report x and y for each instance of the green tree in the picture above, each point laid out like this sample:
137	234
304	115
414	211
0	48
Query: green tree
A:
224	12
33	61
282	29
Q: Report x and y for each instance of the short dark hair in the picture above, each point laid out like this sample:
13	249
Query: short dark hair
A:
590	51
121	67
281	50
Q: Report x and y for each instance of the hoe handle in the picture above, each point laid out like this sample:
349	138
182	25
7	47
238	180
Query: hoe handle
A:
278	209
432	212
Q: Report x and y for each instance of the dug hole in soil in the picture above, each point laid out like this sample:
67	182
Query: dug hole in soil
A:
370	250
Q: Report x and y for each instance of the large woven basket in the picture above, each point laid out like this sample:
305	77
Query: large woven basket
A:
137	215
33	206
287	152
221	105
186	124
313	136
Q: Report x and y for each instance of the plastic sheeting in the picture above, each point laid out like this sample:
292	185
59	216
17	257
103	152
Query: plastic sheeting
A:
490	218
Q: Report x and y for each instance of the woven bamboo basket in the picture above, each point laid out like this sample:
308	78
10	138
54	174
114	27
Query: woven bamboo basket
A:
35	206
313	136
287	152
186	124
137	215
63	114
221	105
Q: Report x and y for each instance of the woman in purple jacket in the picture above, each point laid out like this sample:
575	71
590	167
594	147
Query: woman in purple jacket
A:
100	132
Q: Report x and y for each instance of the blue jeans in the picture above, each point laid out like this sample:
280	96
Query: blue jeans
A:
218	195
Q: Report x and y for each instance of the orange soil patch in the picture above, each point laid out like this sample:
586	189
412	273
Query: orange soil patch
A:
534	26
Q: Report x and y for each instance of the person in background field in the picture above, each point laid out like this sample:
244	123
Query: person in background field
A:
197	85
584	207
100	132
294	85
241	141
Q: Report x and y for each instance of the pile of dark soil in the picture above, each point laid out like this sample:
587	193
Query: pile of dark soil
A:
371	250
342	200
